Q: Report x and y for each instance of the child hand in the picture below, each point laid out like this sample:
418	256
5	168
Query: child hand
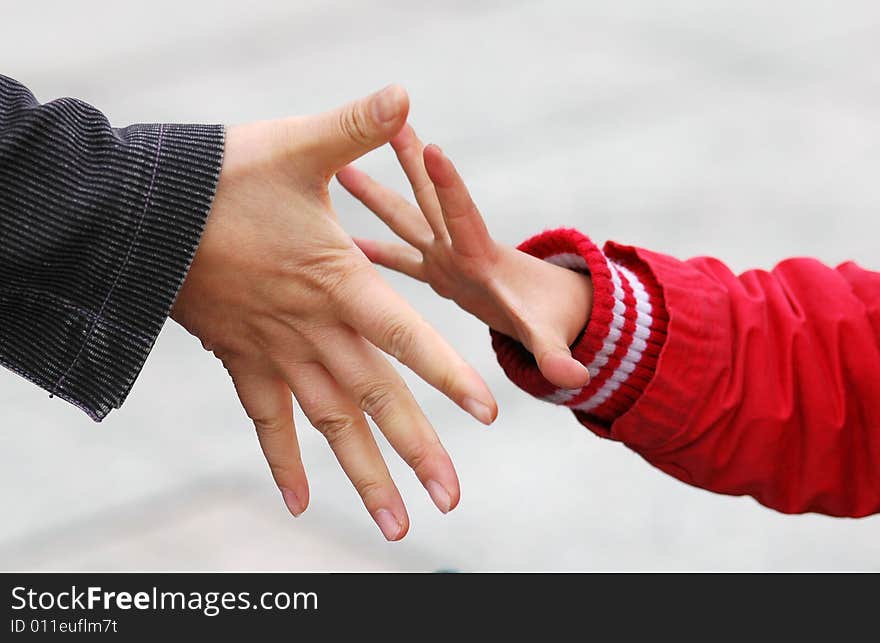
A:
543	306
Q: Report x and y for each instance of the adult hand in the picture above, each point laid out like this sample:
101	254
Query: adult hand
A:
280	293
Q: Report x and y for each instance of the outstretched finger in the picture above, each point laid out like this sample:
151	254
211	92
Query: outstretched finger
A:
267	401
409	148
373	384
397	213
394	256
371	307
466	227
342	423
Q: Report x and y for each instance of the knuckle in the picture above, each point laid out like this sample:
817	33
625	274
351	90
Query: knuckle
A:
377	401
281	471
367	487
447	382
399	339
269	426
419	454
334	427
426	188
353	124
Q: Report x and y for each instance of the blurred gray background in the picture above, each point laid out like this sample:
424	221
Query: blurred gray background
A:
745	129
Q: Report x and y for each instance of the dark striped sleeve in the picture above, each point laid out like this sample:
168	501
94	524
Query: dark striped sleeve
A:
98	227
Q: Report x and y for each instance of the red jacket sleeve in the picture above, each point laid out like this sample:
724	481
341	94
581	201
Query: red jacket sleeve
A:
765	384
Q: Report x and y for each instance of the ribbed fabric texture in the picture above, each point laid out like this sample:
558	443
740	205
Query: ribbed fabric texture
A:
620	344
98	227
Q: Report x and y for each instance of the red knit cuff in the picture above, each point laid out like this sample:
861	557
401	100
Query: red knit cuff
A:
621	342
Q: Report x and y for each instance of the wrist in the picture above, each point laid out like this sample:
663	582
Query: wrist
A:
621	342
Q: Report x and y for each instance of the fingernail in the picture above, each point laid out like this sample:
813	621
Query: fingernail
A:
388	524
479	410
386	104
587	376
292	501
439	495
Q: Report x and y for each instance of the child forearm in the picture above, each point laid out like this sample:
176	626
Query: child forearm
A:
765	384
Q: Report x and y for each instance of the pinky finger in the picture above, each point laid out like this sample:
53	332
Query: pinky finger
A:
394	256
267	401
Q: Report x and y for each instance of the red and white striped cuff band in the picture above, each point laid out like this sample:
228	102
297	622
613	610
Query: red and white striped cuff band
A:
621	342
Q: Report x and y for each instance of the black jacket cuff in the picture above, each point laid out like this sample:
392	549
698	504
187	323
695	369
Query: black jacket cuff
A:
98	227
146	265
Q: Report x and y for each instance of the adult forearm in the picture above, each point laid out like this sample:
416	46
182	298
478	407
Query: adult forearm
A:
98	227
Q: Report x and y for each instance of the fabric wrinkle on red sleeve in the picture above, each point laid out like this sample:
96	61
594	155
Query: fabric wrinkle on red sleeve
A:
764	384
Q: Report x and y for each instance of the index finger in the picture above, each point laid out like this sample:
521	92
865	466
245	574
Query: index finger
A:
385	319
408	149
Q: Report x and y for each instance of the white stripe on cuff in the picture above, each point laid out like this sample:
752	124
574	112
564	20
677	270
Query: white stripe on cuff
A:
609	342
634	351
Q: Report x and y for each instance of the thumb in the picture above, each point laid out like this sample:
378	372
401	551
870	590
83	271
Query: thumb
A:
334	139
557	364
